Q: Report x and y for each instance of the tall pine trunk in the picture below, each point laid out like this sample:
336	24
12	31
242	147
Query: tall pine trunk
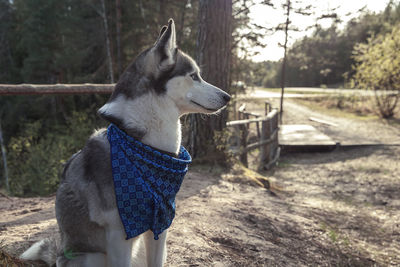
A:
283	71
214	58
108	45
118	30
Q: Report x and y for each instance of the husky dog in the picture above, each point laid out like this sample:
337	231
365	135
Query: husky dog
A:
156	89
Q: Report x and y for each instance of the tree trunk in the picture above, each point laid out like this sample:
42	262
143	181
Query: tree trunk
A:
181	22
118	30
163	4
214	57
108	47
284	59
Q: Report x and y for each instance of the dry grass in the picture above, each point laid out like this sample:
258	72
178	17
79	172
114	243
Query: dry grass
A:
9	261
349	106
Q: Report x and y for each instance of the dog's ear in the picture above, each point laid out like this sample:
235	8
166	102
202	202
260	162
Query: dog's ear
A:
161	33
165	46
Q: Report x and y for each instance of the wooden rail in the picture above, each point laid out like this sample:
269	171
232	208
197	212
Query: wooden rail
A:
55	89
267	136
259	119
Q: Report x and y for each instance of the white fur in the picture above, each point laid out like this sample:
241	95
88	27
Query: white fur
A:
156	116
33	253
183	90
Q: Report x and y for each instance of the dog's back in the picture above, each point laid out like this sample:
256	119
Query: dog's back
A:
85	194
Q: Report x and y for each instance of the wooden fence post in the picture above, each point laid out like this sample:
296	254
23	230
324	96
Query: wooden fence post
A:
269	149
243	144
274	146
276	141
263	148
4	156
267	108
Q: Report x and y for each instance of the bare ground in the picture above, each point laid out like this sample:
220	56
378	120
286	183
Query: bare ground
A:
340	208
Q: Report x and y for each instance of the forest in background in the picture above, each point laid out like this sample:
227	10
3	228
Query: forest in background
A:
92	41
325	58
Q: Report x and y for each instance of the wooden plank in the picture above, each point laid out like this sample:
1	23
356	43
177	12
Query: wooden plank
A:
267	107
55	89
303	135
261	143
251	114
275	144
242	107
263	118
258	130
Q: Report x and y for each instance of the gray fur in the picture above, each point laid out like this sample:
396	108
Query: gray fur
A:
87	180
134	82
86	211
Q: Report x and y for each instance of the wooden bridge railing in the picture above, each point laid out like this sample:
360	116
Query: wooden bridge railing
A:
267	135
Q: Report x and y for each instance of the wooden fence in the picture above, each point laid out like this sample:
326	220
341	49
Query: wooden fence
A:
267	135
55	89
267	125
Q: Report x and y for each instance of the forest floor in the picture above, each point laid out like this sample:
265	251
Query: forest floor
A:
339	208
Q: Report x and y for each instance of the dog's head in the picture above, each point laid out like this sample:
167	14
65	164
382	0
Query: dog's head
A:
166	71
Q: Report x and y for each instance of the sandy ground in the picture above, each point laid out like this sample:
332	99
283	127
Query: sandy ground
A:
340	208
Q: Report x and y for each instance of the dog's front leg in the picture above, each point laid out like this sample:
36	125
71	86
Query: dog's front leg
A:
119	250
156	250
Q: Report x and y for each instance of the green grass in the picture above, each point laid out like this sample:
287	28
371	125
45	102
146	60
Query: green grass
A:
334	235
283	164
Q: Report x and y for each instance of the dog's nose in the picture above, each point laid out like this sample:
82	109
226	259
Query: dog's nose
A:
226	97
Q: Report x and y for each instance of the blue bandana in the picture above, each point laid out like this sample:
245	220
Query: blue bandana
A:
146	182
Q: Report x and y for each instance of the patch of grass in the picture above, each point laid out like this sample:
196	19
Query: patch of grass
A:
8	260
373	170
335	236
283	164
332	235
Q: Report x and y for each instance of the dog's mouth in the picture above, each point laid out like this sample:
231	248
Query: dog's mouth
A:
203	107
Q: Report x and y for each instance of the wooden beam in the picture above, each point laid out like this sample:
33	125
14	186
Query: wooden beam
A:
256	144
242	107
261	143
263	118
55	89
251	114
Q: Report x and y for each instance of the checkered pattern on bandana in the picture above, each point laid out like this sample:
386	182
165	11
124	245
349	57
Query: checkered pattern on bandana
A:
146	182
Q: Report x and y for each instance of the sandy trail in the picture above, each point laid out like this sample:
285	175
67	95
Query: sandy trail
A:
340	208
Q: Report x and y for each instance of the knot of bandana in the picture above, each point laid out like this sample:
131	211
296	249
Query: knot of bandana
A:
146	182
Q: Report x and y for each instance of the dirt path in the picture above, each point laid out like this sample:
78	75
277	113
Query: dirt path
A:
349	131
334	209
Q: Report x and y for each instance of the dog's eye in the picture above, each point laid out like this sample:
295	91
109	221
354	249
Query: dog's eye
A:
195	77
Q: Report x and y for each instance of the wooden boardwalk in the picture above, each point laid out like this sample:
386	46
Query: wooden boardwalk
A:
304	138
